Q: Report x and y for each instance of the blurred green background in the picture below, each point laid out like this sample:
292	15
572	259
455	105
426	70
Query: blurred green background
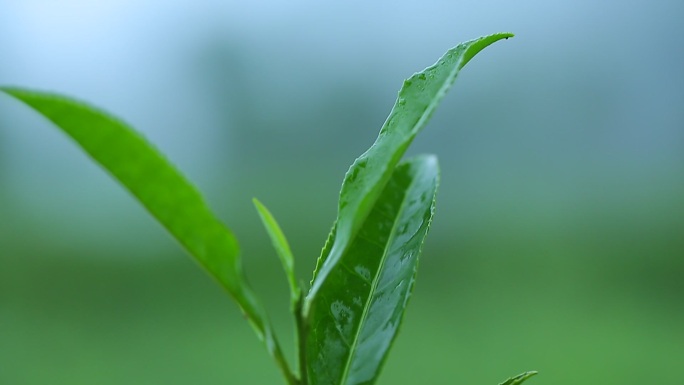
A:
558	243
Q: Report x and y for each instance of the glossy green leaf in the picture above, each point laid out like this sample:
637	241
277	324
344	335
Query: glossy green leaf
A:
360	306
352	311
163	191
519	379
366	178
282	248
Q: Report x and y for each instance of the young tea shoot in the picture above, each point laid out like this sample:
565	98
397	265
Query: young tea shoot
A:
348	318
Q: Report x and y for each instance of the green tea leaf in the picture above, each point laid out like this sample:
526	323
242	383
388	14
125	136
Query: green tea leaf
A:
360	305
519	379
366	178
162	190
352	312
282	249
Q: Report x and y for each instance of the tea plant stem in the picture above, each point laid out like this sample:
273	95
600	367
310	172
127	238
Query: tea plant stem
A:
301	332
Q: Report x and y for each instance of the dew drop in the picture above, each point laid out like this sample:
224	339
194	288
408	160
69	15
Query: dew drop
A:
343	316
363	272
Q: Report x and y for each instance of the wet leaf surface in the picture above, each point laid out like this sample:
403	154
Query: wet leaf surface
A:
365	273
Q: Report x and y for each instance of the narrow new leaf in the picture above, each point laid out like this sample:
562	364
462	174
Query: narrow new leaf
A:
163	191
519	379
366	178
282	248
360	305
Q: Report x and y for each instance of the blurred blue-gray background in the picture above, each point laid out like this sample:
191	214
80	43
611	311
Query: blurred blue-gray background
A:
558	243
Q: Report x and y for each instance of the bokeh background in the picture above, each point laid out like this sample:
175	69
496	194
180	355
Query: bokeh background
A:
558	243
